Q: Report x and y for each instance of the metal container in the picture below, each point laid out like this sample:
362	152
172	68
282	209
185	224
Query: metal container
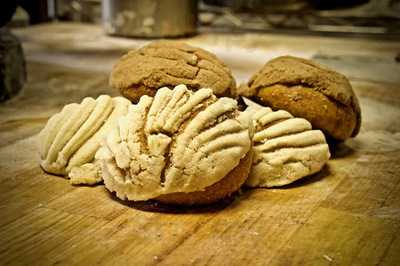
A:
149	18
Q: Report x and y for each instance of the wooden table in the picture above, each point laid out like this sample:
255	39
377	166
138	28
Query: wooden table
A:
347	214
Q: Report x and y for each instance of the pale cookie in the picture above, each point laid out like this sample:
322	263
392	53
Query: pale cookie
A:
285	148
71	138
177	142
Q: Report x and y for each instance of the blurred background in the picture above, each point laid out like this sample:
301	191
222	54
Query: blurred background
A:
371	17
359	38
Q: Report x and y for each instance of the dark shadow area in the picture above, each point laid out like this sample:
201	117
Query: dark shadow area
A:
339	149
155	206
88	185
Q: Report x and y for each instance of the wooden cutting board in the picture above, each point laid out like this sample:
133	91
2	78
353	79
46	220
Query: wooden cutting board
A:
349	213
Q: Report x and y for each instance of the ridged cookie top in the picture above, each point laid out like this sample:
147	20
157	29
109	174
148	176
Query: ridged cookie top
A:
71	137
285	148
178	141
166	63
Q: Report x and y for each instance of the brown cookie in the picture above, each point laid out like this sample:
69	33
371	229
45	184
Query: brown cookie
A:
308	90
168	64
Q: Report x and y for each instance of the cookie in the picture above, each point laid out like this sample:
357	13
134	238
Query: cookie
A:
308	90
69	141
285	148
168	64
179	147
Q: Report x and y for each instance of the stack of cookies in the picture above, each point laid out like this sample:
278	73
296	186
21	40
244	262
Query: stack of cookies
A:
179	135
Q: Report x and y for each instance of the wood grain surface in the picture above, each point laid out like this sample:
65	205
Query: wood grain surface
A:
348	214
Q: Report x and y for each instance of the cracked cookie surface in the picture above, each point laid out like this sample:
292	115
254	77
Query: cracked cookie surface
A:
285	148
168	64
178	141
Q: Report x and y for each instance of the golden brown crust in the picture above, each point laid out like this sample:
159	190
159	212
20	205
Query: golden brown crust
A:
167	64
134	93
307	90
334	118
223	188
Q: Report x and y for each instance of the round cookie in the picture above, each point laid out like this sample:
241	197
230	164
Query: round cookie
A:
308	90
168	64
179	147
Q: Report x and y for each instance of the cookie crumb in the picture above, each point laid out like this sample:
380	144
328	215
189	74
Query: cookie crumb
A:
327	258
